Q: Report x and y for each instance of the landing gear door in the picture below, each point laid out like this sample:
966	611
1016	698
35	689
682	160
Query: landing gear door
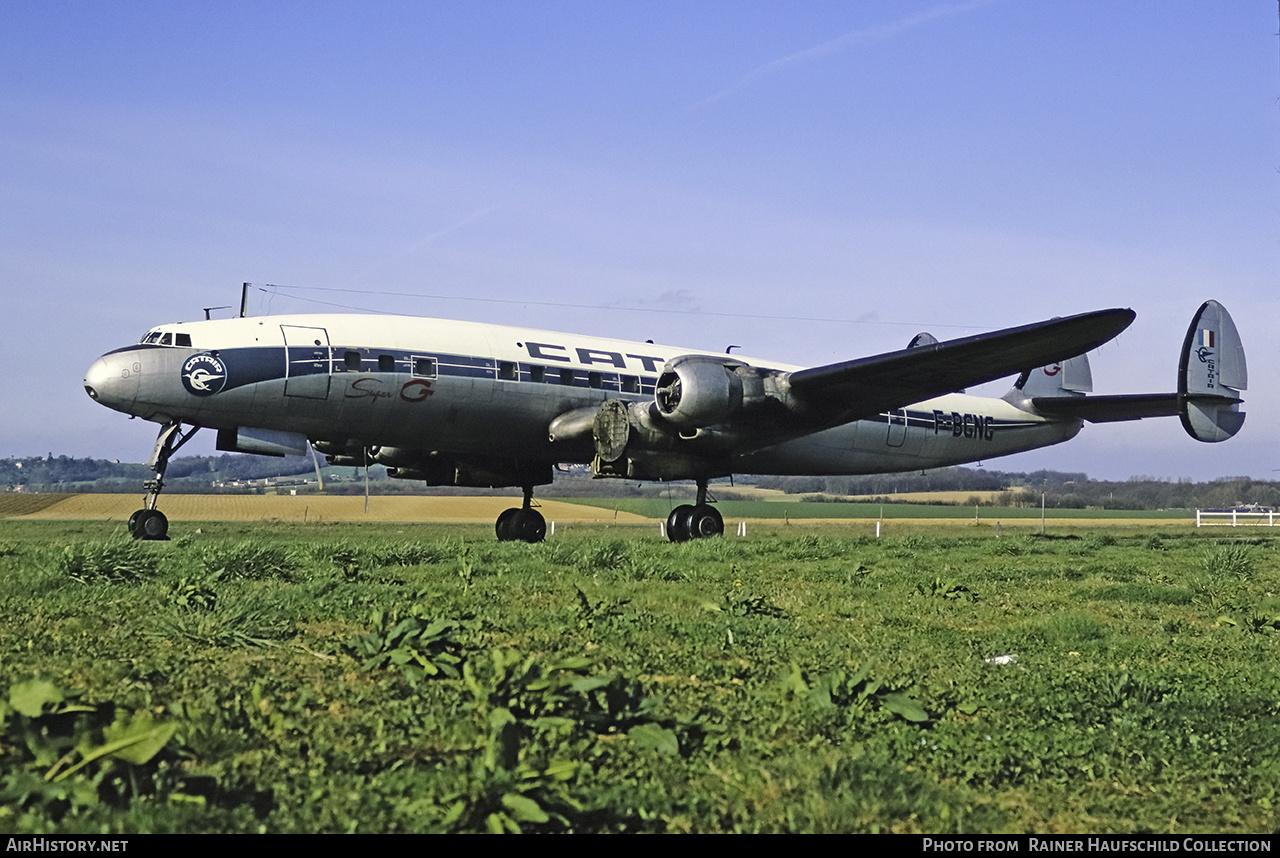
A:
308	362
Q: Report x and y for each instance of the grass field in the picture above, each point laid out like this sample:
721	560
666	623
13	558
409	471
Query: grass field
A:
655	508
397	677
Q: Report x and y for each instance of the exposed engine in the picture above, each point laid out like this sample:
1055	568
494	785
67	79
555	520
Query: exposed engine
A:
699	390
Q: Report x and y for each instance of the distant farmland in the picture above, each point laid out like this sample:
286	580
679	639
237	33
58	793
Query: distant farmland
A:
302	508
470	510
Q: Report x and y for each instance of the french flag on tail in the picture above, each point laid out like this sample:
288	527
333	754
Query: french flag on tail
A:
1206	338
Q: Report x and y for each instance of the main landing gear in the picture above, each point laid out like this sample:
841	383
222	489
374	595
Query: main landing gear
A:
523	523
696	521
149	522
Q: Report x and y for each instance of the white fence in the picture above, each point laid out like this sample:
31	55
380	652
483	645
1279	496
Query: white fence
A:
1235	517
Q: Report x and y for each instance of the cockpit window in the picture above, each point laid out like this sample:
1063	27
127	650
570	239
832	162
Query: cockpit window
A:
166	338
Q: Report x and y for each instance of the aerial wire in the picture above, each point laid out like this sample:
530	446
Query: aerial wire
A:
273	289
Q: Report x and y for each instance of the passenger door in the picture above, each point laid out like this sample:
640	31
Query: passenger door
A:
307	362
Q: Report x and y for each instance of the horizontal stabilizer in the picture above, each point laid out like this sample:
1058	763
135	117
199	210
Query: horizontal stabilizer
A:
1211	373
1108	409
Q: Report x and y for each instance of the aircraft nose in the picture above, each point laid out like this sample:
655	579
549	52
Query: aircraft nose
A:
95	379
112	380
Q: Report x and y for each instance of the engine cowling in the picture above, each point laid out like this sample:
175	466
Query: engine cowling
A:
699	390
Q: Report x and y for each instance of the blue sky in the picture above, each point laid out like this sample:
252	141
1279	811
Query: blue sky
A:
812	181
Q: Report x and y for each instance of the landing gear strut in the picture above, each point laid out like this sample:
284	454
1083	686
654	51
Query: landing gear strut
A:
697	521
523	523
149	522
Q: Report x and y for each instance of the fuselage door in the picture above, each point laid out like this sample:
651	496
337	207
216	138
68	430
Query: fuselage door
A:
897	427
307	362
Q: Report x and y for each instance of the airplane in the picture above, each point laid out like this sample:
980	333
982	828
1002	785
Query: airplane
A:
471	404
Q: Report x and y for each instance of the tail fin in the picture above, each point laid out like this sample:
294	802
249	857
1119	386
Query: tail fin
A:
1070	377
1211	374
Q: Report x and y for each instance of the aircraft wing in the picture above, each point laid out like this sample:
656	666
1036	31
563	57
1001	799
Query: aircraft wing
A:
846	391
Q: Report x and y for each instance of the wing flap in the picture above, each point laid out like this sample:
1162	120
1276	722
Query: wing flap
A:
871	385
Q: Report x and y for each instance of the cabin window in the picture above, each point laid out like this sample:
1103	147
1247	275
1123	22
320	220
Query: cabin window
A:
566	377
386	363
182	340
594	379
506	370
630	384
352	360
424	367
538	374
166	340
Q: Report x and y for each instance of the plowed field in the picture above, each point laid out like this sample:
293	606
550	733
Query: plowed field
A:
103	507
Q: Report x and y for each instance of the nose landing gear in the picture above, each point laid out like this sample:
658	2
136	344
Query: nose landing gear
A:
149	522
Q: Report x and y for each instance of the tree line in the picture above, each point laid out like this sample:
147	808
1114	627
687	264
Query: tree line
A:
1061	490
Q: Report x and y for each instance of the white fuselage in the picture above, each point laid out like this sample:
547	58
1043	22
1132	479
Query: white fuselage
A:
477	389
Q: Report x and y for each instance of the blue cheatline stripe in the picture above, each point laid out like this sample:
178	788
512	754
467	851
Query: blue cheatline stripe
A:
257	364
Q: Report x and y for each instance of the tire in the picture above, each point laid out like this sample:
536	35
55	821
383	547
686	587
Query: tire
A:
529	525
154	526
134	530
705	522
678	529
505	526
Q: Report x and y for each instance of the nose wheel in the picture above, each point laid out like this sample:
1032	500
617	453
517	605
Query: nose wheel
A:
149	522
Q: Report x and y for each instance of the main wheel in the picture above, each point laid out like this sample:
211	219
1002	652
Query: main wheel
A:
153	525
529	525
678	529
704	522
505	526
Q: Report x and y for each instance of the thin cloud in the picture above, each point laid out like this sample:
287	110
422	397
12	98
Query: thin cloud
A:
441	233
865	36
479	214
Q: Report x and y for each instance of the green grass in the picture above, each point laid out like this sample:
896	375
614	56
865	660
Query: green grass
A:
400	678
658	508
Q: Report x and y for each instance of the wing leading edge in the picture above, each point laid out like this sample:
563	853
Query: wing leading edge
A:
865	386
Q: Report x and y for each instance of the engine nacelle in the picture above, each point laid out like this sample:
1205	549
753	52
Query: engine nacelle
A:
398	457
263	442
699	390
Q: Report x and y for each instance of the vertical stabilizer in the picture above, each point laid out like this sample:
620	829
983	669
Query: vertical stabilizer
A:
1066	378
1211	374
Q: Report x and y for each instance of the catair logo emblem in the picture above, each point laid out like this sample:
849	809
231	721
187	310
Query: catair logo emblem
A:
204	375
1205	349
